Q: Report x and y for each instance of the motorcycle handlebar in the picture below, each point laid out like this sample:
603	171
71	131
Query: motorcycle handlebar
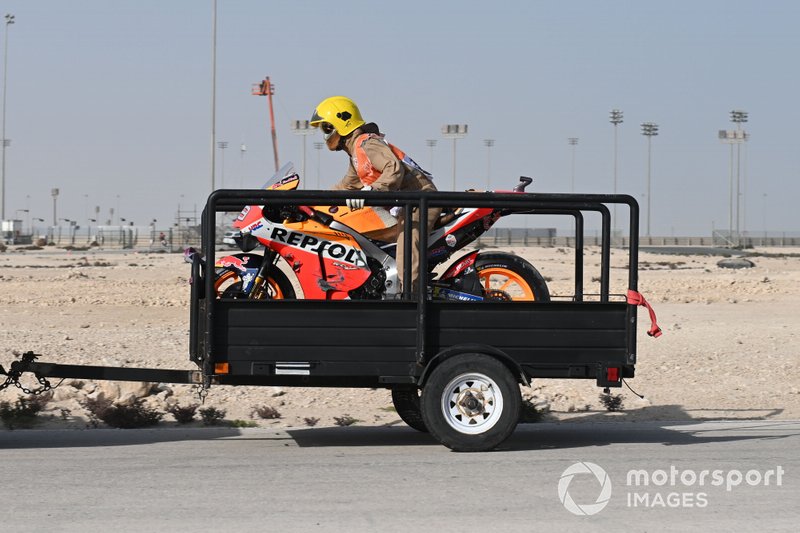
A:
323	218
524	181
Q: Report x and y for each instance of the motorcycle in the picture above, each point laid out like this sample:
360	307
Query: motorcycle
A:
335	253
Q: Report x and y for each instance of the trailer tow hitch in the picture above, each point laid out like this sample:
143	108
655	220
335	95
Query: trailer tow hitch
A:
20	367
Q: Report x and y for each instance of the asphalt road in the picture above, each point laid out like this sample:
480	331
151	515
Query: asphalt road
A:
395	479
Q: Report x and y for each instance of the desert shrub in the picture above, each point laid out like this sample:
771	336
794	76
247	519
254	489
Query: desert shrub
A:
345	420
136	415
311	421
612	402
266	412
211	416
529	413
242	424
183	414
22	413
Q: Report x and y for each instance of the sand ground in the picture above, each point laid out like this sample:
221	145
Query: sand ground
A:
728	349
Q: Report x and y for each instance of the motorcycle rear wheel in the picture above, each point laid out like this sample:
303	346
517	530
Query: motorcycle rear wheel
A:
509	277
228	284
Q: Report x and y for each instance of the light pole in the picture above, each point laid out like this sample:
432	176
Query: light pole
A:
488	143
615	117
213	95
318	147
36	219
73	227
89	229
573	141
21	211
54	194
431	143
302	127
455	132
739	117
731	137
222	145
242	150
5	142
649	130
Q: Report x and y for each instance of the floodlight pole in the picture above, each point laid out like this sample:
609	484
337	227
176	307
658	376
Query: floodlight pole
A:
5	142
455	132
737	137
488	143
431	143
213	95
222	145
615	117
649	130
573	141
318	147
302	127
739	117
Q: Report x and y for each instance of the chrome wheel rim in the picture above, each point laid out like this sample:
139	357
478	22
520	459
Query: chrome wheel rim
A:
472	403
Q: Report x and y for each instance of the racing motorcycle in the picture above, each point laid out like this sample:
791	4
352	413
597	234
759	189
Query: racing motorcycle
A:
336	253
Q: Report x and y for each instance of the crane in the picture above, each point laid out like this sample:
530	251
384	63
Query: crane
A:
267	88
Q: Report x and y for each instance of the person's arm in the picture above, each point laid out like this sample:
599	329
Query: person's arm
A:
350	181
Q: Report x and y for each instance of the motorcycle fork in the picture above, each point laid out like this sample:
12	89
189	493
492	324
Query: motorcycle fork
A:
259	290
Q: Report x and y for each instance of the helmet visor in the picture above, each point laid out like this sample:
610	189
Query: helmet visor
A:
327	130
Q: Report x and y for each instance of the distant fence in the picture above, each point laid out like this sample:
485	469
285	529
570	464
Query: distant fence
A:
536	237
179	238
175	239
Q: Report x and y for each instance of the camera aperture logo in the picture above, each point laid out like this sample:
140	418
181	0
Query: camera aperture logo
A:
665	488
586	509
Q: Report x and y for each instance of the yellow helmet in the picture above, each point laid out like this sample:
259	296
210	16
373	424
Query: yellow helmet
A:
338	111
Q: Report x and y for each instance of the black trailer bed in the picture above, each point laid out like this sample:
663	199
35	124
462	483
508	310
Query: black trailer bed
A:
378	340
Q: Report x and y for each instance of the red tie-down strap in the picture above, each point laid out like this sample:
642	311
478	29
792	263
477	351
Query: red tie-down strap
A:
635	298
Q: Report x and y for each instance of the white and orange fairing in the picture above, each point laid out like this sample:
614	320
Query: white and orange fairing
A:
329	263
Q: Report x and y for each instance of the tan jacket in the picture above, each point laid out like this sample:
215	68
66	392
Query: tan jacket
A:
395	175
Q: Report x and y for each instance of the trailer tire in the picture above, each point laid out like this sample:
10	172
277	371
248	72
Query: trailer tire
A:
406	402
510	277
471	403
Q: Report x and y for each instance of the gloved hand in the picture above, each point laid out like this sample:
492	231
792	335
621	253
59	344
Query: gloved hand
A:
357	203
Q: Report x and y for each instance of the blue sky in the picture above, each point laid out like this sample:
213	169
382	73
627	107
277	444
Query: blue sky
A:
110	99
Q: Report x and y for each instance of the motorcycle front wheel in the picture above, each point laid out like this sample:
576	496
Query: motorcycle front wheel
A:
509	277
228	284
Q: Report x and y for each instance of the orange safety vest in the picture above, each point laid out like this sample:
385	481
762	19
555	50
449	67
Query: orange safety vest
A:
367	173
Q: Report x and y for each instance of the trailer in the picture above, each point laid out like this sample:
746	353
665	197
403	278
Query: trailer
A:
454	367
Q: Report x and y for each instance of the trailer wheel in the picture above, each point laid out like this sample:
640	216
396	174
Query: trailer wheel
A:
509	277
471	403
406	401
